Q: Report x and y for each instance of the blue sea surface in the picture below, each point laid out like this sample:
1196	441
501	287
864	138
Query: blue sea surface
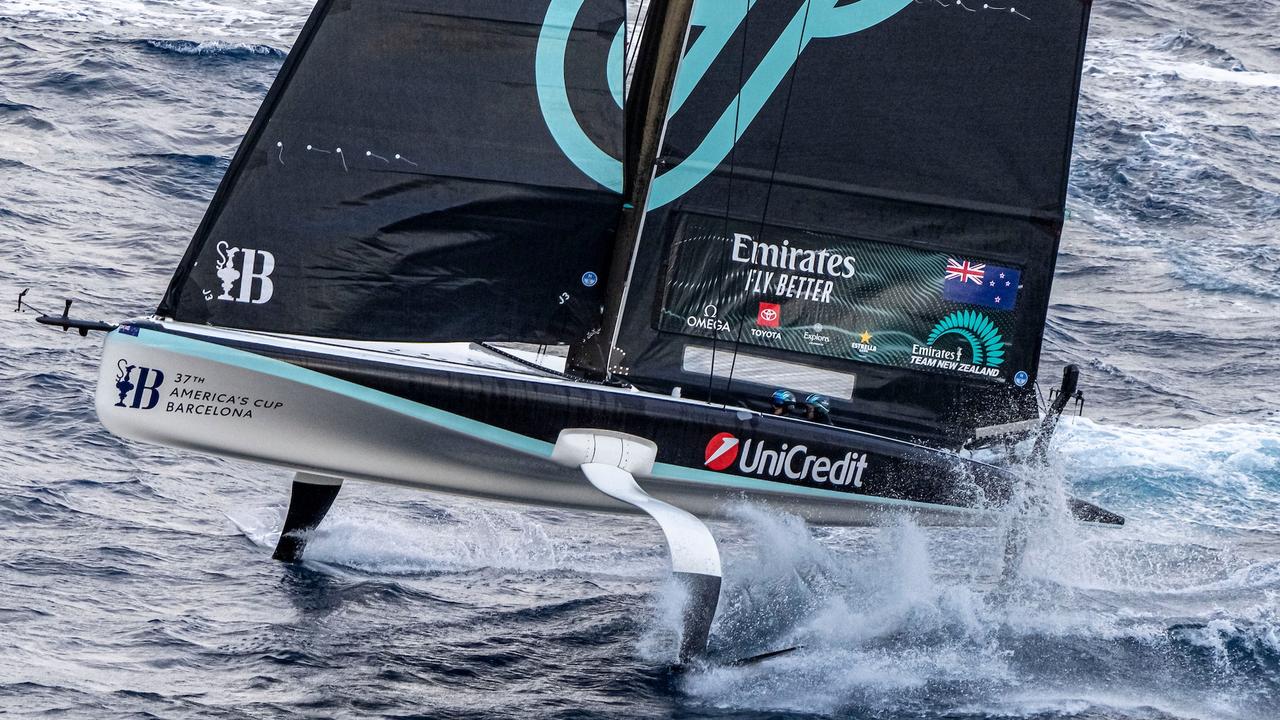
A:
136	581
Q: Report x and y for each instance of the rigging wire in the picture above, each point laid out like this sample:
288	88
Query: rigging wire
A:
777	154
24	304
728	206
1041	403
630	50
786	112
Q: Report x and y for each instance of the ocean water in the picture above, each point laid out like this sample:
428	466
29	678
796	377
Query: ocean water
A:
135	581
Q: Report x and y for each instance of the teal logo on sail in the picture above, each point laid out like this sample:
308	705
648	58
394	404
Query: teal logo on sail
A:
976	346
815	19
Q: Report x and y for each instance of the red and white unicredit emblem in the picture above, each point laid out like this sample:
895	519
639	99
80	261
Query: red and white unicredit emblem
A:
755	457
770	314
721	451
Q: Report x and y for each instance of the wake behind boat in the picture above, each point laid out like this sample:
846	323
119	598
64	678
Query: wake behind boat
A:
781	255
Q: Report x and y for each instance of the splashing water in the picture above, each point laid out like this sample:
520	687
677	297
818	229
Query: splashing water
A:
125	591
1161	618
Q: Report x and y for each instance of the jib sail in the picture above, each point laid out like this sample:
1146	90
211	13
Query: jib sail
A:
423	170
861	199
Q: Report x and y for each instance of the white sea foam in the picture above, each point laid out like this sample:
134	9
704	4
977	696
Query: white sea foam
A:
1207	73
1225	474
270	21
1216	446
887	616
1160	60
214	47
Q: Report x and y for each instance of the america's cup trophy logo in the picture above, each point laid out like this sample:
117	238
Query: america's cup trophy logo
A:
123	386
227	272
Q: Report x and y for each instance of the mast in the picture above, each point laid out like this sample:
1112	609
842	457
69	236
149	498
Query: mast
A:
657	63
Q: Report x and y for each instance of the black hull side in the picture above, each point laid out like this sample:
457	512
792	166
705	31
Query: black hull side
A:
895	470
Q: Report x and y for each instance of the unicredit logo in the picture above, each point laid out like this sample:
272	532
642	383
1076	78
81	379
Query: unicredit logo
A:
794	462
721	451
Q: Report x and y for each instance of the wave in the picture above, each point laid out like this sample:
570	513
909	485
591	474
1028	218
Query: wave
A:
466	537
1206	73
1175	56
1234	645
185	159
1244	453
186	176
8	107
218	48
1189	45
1215	267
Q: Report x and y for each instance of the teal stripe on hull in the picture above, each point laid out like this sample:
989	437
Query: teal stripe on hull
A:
278	368
489	433
737	482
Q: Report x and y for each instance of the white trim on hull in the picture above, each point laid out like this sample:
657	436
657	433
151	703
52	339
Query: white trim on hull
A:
229	402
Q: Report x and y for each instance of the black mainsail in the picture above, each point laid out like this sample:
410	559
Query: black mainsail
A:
859	199
423	170
871	192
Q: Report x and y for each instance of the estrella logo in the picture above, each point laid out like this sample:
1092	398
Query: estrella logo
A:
145	392
815	19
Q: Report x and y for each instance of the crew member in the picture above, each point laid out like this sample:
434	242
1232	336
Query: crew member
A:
784	401
818	408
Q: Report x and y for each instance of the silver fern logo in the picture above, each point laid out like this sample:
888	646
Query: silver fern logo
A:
977	347
985	343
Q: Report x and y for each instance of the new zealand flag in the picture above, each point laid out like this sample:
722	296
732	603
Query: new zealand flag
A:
980	284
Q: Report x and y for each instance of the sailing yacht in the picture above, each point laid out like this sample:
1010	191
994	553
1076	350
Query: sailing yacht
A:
797	252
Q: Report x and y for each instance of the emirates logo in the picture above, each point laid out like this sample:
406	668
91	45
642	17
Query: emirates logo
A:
722	450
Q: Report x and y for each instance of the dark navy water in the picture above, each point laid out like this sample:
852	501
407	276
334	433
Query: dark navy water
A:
135	581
